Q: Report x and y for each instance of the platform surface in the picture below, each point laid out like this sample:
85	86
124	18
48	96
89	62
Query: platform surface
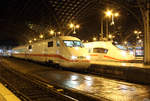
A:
120	64
7	95
114	90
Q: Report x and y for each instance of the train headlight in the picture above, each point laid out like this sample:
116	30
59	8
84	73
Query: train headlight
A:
88	57
73	57
123	53
131	53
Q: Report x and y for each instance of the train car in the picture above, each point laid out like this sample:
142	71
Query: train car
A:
65	51
19	52
106	51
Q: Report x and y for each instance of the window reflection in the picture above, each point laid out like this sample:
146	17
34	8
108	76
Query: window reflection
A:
100	50
73	43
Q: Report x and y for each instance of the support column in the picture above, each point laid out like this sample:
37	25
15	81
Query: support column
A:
147	36
102	33
107	29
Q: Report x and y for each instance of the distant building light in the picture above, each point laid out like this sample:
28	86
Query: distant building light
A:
34	39
140	41
94	39
1	50
41	36
125	42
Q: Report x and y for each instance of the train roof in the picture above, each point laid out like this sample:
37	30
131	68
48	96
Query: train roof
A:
68	38
61	37
20	47
98	44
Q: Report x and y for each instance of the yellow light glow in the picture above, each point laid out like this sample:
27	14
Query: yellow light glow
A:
140	32
34	39
125	42
135	31
140	41
94	39
110	36
138	37
41	36
71	25
52	32
59	33
108	13
30	41
116	14
77	26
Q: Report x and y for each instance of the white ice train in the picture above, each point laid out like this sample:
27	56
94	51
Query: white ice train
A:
66	51
106	51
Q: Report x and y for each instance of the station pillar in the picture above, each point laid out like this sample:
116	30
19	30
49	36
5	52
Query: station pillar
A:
147	35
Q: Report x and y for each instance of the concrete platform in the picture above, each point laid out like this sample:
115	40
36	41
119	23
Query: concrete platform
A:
120	64
133	72
100	87
7	95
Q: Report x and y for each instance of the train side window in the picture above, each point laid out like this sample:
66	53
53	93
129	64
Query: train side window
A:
30	47
57	43
100	50
50	44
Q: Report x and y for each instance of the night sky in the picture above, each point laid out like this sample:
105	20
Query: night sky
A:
16	15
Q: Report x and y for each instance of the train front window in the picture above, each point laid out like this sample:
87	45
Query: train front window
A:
73	43
68	43
77	44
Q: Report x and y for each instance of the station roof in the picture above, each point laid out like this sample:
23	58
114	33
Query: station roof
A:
22	20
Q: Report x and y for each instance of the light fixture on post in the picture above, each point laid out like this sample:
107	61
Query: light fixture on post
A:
110	13
74	27
137	33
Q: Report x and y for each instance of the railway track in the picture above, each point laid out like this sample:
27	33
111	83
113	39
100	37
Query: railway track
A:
46	81
28	90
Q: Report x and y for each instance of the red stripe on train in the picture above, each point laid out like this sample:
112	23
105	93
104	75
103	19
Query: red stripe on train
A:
109	57
54	55
106	56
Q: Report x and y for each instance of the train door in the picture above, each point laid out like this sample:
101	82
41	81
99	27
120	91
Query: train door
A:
53	51
29	52
50	51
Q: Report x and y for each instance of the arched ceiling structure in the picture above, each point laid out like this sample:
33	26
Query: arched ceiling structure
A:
22	20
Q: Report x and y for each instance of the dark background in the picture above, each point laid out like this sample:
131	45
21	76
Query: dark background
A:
17	16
